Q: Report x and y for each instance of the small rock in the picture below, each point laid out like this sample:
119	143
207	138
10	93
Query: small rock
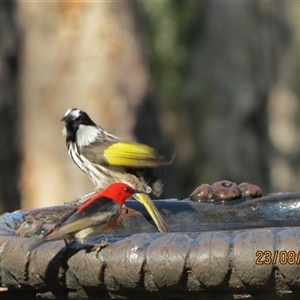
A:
202	192
249	190
225	190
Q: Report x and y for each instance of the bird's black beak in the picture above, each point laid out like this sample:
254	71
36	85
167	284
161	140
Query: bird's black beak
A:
65	119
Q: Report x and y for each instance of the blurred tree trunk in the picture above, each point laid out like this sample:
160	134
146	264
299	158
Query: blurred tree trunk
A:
232	59
75	54
9	109
245	48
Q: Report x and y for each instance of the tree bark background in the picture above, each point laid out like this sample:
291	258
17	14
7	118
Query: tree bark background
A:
75	54
245	56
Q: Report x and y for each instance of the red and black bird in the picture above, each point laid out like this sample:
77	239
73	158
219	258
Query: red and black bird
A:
92	217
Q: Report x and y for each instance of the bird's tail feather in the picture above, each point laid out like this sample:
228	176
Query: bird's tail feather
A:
152	210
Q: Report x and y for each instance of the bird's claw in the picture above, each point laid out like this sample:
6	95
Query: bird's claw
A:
100	246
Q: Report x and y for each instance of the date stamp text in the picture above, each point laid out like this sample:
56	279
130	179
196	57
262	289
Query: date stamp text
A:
280	257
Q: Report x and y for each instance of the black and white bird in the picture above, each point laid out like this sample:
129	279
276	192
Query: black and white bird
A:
107	159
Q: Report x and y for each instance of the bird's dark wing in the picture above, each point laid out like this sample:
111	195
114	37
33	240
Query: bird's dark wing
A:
95	152
99	212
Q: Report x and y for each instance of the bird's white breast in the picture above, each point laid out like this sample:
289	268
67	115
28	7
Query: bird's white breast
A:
86	135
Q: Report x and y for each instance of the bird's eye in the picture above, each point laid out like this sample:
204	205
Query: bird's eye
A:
128	190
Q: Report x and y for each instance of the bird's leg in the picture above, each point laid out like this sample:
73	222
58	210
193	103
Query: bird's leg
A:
66	244
66	248
81	199
98	247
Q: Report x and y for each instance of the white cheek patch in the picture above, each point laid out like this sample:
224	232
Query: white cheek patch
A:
64	131
86	135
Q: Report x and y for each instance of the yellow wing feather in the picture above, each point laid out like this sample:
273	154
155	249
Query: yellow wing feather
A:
133	155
